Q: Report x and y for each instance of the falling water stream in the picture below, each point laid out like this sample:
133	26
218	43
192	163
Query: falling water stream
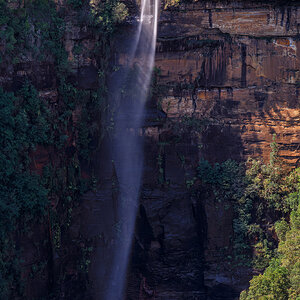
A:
129	92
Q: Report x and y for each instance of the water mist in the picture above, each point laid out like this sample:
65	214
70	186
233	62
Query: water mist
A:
128	92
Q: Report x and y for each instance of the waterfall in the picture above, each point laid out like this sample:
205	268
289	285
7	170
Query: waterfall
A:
129	91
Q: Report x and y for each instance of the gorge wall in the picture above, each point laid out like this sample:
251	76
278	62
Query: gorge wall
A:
226	79
236	65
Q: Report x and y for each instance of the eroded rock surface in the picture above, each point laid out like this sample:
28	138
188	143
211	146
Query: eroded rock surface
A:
228	80
229	76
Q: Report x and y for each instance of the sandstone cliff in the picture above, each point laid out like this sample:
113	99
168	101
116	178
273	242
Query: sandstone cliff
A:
227	79
228	74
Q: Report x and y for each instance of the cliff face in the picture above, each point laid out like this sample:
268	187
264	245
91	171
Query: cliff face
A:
227	79
52	49
236	65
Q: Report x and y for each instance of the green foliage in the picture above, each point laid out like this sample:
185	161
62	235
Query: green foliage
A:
264	201
85	258
267	182
280	194
120	12
23	198
260	195
289	249
281	228
273	284
171	3
35	31
25	28
12	27
229	184
106	14
281	279
225	179
292	182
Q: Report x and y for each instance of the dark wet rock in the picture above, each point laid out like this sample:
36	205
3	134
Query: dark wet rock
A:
222	292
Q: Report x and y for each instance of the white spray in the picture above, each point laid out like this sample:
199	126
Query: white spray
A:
130	94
